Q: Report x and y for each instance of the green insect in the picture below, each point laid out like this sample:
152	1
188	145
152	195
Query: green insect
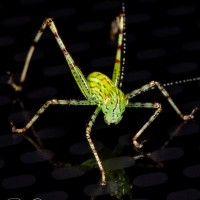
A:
99	90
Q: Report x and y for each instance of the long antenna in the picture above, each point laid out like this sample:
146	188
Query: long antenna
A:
123	45
181	81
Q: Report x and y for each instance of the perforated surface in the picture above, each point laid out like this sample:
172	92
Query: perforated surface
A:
163	44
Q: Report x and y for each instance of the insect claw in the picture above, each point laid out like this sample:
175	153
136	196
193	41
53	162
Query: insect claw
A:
12	83
137	145
14	129
191	115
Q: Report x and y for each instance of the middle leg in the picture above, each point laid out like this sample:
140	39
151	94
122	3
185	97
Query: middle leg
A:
92	147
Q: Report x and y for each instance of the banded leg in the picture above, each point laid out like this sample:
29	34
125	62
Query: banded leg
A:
75	70
156	106
118	26
44	107
153	85
88	131
18	87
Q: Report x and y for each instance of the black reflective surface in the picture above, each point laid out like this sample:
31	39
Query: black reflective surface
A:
53	160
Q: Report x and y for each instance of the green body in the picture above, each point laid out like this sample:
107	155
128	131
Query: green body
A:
105	94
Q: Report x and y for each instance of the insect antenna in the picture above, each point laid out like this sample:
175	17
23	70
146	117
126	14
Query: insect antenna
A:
181	81
123	45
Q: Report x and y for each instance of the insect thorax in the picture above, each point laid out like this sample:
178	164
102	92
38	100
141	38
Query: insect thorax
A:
108	96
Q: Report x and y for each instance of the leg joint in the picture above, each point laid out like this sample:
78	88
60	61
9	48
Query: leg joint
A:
154	83
48	21
158	105
51	102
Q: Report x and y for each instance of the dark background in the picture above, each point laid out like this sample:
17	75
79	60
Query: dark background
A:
52	160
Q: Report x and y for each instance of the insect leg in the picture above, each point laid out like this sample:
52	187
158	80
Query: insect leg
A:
118	26
18	87
44	107
156	106
155	84
88	131
76	72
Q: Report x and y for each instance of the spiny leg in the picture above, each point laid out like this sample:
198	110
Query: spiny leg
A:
37	142
155	84
88	131
75	70
44	107
156	106
27	117
18	87
118	27
88	127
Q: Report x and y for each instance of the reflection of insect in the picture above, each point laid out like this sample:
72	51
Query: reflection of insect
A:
100	90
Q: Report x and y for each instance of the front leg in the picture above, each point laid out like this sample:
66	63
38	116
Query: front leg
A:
94	151
155	84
